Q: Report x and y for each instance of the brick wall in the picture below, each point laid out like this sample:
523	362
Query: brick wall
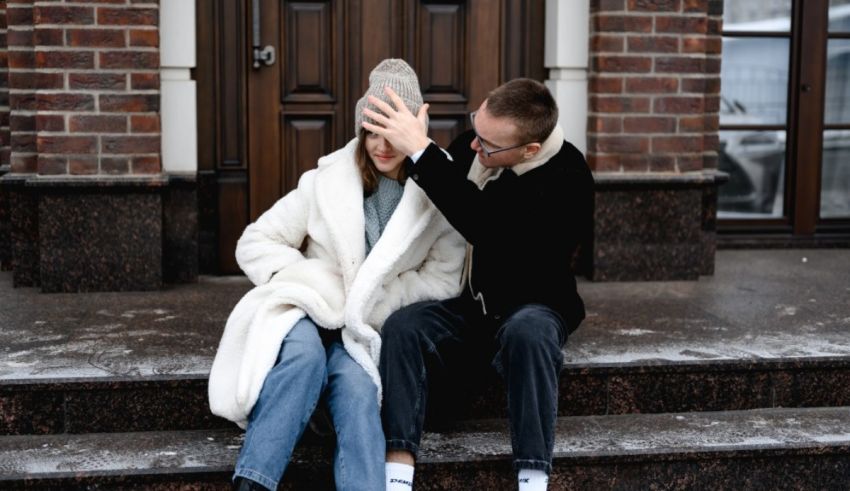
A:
19	38
654	85
4	92
5	225
84	80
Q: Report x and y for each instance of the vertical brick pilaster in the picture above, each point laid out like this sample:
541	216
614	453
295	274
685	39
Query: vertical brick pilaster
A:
96	73
653	110
5	217
4	91
83	86
713	48
21	58
654	85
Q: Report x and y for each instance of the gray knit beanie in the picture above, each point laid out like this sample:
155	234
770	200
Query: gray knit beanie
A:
397	75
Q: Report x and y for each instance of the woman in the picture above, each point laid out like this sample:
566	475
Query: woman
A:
330	260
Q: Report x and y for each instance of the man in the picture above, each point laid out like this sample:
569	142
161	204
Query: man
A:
522	197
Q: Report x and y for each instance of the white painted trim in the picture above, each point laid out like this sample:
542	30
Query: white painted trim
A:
566	56
179	125
178	107
177	33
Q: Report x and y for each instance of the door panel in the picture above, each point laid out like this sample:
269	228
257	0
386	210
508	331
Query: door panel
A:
307	69
440	53
302	107
304	142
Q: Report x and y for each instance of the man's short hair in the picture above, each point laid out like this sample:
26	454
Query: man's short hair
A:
528	104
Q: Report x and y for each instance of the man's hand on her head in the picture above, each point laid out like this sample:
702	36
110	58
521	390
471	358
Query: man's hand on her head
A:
406	132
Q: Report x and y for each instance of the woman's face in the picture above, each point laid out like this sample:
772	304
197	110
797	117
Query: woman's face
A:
387	159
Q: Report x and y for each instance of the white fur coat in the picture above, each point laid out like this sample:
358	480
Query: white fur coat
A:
306	257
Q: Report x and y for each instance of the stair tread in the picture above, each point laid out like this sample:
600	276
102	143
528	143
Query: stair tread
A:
580	438
759	308
113	336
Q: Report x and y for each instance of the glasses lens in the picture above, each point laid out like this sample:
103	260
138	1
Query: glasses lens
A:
483	146
480	142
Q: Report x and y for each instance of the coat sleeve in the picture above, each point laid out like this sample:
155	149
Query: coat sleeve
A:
438	277
443	178
273	241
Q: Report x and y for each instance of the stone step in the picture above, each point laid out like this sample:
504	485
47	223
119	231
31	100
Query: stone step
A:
179	402
130	361
768	330
713	385
765	449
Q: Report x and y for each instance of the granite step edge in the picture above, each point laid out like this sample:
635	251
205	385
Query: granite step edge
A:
647	366
181	403
580	440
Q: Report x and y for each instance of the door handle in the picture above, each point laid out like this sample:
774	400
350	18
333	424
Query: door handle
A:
263	55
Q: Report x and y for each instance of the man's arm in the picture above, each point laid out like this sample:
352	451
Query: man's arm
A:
560	203
476	214
473	213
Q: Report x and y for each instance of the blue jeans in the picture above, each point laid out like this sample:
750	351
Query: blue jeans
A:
305	370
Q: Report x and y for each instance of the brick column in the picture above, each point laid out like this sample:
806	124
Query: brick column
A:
19	16
653	135
86	188
98	73
4	93
655	85
5	231
22	206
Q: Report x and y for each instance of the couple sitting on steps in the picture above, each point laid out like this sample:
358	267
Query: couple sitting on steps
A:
395	267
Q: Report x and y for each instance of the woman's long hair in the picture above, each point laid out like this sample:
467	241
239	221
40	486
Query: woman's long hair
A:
368	172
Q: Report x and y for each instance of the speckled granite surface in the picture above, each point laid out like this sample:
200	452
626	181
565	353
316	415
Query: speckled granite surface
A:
180	231
23	231
782	306
102	233
100	241
779	305
768	330
110	361
119	336
647	235
657	226
669	448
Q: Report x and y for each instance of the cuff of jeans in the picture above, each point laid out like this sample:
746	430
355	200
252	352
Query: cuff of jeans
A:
255	476
540	465
403	445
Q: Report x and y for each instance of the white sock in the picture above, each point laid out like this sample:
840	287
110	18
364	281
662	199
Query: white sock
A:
399	477
531	480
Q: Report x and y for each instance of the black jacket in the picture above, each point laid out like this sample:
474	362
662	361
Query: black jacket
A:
523	229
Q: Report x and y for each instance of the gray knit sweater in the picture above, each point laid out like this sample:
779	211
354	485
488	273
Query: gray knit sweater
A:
378	207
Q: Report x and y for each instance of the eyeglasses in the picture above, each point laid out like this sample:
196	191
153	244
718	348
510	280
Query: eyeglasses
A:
488	151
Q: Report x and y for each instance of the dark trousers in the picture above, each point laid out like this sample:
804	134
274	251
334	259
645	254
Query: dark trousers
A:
428	344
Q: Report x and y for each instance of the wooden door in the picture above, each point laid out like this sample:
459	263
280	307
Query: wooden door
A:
302	106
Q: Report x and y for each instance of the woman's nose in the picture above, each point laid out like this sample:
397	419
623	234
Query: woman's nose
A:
384	144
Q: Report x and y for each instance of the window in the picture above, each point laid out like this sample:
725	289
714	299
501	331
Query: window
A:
785	118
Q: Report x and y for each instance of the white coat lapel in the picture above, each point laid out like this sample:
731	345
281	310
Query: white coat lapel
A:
339	196
409	220
407	223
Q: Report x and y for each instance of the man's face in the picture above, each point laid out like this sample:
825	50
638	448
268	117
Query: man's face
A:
496	134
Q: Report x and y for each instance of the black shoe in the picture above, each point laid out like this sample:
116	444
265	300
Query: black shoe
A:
243	484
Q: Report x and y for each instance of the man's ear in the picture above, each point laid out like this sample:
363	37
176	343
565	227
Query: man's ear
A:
530	150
